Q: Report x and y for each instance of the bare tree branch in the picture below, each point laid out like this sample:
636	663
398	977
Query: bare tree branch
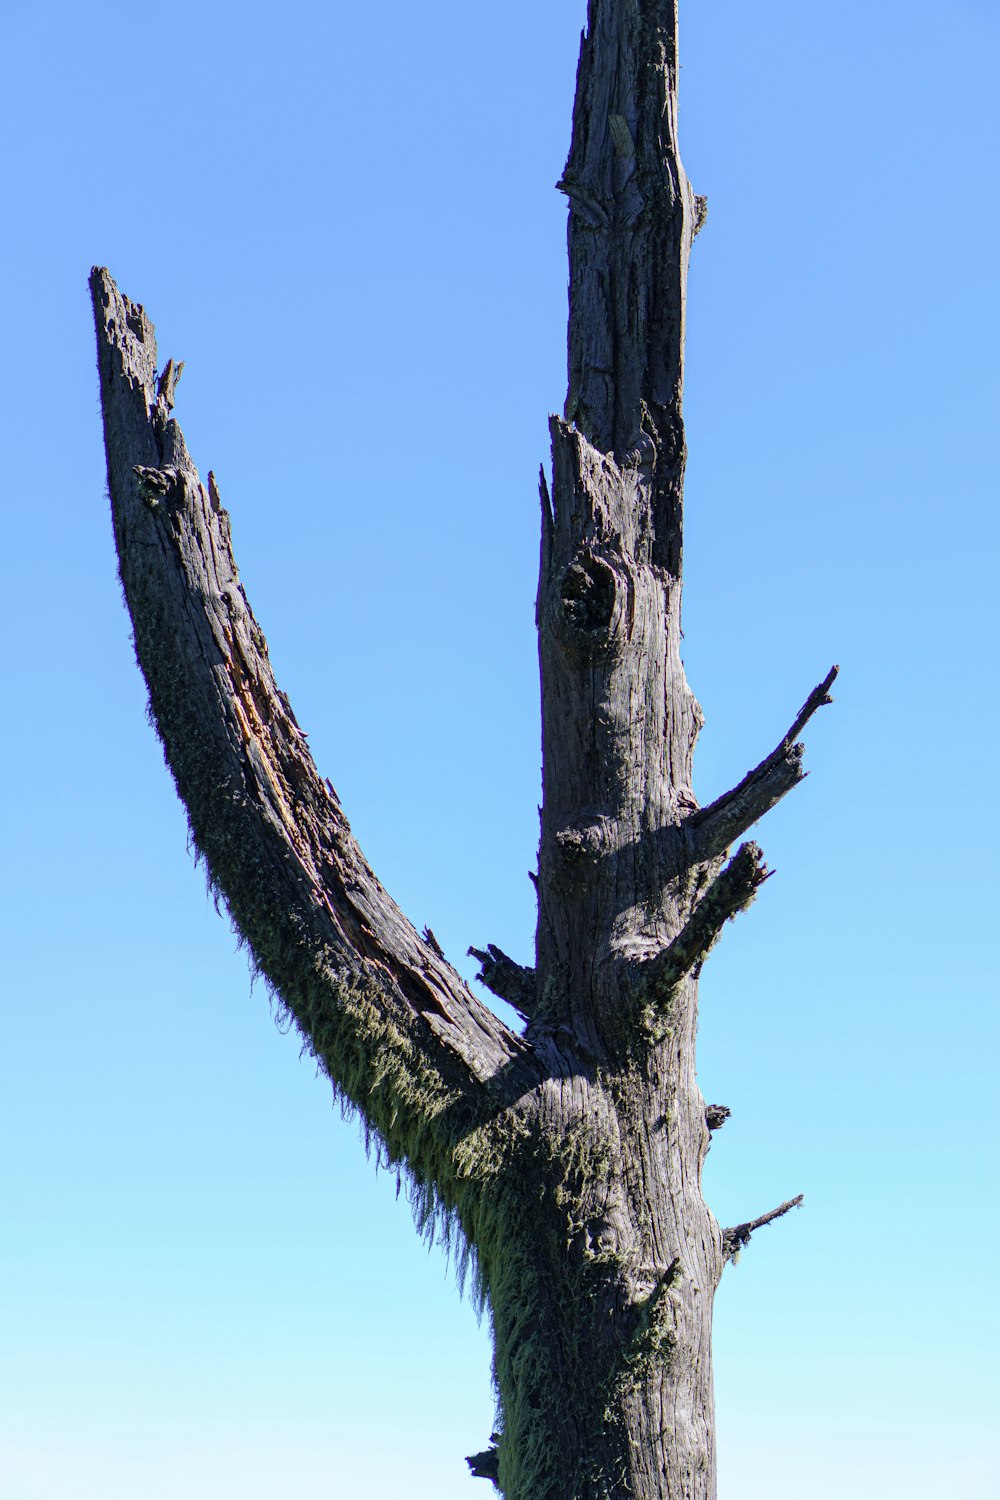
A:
509	980
396	1027
734	1239
719	824
730	892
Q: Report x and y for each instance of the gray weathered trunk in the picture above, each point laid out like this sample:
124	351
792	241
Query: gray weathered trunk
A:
568	1157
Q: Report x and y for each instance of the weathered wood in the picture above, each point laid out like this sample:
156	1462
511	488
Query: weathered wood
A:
278	846
570	1158
716	826
506	978
735	1239
729	893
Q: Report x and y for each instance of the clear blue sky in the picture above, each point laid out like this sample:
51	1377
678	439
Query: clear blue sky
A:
343	218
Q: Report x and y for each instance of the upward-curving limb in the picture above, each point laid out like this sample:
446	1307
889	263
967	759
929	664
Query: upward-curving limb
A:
397	1029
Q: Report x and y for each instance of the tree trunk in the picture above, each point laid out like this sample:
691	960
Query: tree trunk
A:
568	1158
600	1279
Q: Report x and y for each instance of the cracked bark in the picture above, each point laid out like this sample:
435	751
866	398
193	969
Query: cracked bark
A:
568	1158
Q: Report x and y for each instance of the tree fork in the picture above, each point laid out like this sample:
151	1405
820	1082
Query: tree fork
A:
569	1158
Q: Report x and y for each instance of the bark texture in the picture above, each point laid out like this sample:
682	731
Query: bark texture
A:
568	1159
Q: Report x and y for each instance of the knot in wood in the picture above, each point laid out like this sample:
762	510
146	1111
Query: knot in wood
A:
584	841
587	610
156	485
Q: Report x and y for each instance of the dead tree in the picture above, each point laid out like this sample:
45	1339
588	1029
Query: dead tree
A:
568	1157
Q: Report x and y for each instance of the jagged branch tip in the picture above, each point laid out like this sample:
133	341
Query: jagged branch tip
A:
731	891
733	1240
723	821
506	978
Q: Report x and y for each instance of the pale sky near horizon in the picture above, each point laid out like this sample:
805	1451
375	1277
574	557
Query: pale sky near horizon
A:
343	219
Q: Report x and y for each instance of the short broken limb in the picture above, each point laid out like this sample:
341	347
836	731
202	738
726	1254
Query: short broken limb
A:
734	1239
720	823
509	980
486	1465
730	892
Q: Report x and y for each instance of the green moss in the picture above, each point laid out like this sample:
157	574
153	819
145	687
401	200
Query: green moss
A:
653	1340
509	1200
